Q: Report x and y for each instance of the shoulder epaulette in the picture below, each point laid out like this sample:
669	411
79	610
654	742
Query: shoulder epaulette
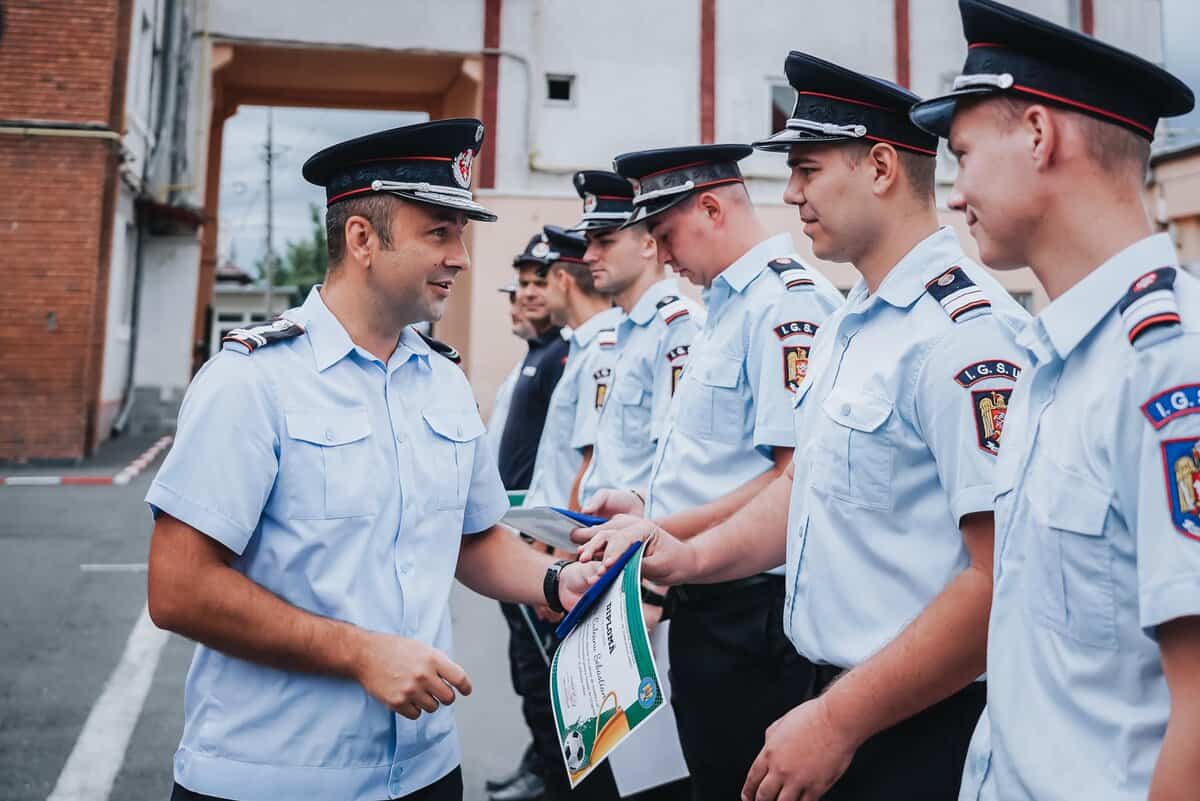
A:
1150	305
606	338
441	347
794	274
959	295
259	336
671	308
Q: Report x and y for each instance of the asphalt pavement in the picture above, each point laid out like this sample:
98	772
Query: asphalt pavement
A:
72	589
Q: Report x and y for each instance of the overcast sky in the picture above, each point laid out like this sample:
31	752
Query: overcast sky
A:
301	132
298	133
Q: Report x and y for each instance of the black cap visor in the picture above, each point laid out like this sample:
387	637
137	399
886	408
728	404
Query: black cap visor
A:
937	113
473	210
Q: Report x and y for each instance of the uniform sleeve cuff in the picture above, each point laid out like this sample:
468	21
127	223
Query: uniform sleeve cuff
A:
973	499
1169	600
212	524
486	516
774	437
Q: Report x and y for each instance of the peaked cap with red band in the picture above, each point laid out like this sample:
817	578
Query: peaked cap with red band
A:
425	163
1019	54
834	104
666	176
607	200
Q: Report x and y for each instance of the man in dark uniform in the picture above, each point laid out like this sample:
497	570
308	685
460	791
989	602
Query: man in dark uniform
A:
540	372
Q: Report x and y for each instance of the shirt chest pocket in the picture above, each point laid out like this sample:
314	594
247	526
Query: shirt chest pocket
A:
328	464
714	407
855	449
452	457
1072	571
632	403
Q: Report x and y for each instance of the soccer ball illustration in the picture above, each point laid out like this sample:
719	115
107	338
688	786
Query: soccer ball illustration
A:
575	750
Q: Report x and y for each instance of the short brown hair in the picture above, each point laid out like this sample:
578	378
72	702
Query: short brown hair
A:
1110	146
377	208
580	272
919	170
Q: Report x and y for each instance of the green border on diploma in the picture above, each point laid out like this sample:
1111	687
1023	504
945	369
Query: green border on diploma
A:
517	497
631	583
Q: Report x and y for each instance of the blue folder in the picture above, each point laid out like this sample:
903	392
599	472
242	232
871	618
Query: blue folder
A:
598	589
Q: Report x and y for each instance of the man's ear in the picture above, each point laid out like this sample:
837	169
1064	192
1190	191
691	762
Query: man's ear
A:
710	206
1040	129
648	248
884	163
360	240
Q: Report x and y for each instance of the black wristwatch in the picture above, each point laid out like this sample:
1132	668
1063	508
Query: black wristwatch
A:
550	586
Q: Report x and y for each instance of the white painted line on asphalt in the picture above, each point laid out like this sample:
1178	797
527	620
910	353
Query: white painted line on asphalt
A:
99	752
33	481
127	473
126	567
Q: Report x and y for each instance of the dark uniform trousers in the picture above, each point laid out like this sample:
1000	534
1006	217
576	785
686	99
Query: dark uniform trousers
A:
447	788
733	674
919	759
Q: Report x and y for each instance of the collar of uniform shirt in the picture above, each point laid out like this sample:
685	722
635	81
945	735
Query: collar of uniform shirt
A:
647	306
752	263
331	343
931	257
1073	315
587	332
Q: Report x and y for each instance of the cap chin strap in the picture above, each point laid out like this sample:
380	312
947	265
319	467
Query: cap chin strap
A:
990	80
642	198
827	128
422	186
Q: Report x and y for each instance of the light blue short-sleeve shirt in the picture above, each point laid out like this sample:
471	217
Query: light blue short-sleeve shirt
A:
344	485
653	343
733	403
1097	538
899	423
574	409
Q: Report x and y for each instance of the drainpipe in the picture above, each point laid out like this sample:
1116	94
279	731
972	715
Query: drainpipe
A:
532	64
140	213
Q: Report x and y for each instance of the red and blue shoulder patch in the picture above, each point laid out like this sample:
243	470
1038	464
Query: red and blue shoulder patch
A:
1171	404
1149	312
959	295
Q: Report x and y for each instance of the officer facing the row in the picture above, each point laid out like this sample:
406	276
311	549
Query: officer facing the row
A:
1094	642
727	435
314	565
888	533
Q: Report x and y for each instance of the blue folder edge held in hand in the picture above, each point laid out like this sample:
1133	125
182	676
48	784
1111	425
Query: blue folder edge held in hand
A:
598	589
582	519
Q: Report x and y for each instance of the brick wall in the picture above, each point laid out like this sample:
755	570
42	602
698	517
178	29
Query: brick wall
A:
61	62
56	60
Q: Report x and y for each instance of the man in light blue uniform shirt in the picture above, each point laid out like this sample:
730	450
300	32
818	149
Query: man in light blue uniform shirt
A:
898	421
728	433
574	302
329	480
653	338
1094	638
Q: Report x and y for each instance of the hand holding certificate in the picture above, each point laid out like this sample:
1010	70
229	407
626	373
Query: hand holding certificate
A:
549	524
603	680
